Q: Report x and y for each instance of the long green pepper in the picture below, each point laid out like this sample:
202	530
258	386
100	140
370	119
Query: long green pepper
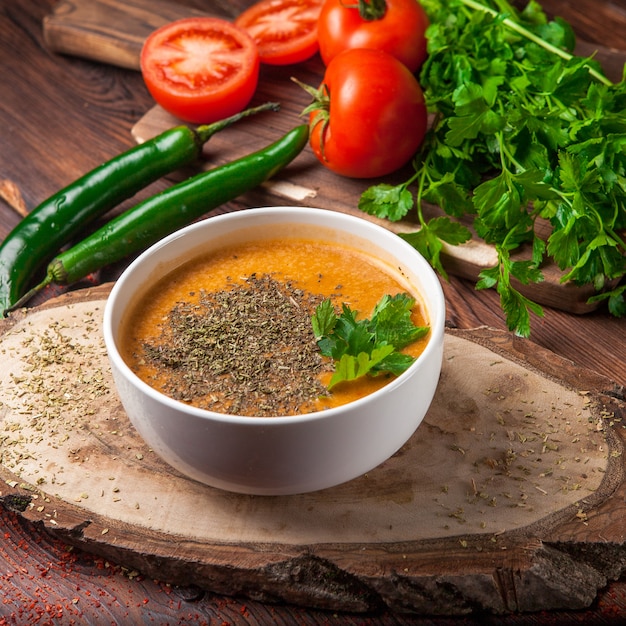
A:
59	219
156	217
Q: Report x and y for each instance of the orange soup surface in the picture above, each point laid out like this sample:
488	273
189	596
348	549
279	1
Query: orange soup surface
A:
231	331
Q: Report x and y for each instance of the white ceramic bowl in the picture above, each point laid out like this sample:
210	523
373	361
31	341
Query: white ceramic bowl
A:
278	455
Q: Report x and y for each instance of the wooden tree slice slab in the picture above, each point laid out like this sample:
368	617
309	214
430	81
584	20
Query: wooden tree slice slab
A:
509	496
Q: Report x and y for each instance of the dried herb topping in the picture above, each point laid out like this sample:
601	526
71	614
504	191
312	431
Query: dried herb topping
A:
246	350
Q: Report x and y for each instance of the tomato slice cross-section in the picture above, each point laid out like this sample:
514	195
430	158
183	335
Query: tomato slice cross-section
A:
285	31
200	69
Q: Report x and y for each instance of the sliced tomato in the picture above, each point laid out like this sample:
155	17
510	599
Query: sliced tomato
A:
200	69
285	31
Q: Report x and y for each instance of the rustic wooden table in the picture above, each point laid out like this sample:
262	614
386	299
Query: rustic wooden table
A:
59	117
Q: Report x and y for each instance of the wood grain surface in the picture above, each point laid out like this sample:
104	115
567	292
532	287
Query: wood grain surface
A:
61	116
113	31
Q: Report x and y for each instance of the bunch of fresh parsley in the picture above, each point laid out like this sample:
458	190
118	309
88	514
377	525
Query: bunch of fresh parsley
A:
367	346
523	129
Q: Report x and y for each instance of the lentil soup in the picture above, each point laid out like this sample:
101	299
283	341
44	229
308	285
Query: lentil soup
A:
230	331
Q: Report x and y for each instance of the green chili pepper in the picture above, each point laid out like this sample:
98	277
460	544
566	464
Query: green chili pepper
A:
57	220
158	216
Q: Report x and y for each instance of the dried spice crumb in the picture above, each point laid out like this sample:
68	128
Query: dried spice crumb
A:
53	394
246	350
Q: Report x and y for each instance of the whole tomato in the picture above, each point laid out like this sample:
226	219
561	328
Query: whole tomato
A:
369	117
395	26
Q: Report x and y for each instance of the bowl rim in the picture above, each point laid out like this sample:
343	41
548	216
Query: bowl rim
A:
437	326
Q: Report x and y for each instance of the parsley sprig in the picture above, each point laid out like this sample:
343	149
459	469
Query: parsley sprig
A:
367	346
523	130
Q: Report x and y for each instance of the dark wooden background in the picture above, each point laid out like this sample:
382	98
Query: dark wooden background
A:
61	116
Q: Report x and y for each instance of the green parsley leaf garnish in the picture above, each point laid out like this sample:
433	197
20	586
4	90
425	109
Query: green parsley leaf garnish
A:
523	132
362	347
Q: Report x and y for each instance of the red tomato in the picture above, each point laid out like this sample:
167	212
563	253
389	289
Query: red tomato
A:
375	115
285	31
401	30
200	69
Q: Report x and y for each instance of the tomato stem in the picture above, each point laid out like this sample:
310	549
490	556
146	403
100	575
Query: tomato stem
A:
369	10
321	106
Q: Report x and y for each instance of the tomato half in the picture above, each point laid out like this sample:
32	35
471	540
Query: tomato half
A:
371	118
400	31
200	69
285	31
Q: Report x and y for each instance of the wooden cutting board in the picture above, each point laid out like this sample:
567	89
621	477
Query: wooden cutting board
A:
112	31
510	496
